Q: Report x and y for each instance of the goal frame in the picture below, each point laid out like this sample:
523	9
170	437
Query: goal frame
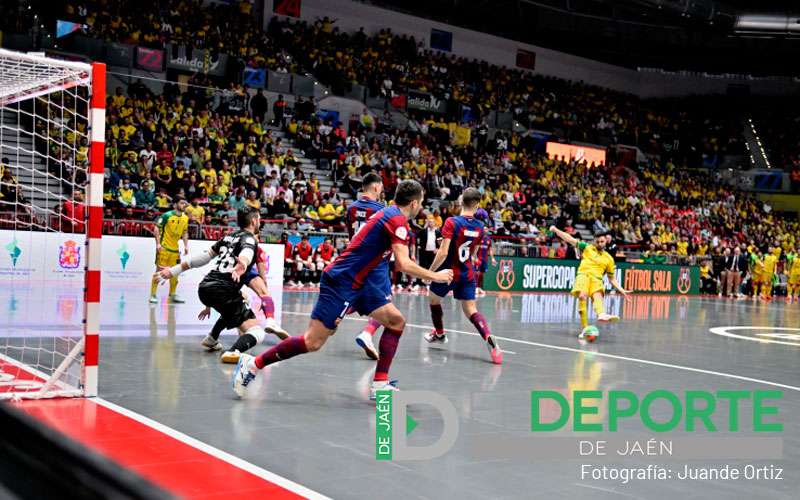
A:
87	350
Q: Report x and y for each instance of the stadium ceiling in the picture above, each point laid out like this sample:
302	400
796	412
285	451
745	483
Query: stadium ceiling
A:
731	36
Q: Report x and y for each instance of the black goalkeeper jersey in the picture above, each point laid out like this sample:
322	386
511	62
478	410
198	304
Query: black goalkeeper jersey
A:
228	250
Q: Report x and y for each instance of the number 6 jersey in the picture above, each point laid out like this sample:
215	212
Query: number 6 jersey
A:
228	250
465	234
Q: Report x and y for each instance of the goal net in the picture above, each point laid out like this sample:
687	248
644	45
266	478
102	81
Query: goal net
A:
52	128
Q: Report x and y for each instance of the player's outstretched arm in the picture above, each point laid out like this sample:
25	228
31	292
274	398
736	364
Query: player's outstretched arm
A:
194	261
564	236
404	264
617	286
441	254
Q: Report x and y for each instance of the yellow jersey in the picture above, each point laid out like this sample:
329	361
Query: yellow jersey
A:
171	227
793	265
594	262
757	266
770	262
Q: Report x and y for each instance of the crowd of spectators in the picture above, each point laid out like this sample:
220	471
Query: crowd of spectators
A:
221	157
659	206
158	147
691	132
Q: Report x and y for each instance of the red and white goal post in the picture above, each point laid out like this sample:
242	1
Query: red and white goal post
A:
52	145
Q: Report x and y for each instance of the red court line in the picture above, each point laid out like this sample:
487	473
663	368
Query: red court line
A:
168	462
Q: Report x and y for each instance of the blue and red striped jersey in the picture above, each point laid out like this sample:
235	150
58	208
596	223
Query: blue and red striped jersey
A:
359	213
465	234
370	247
485	245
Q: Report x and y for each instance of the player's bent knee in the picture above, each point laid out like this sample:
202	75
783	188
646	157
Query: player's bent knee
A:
396	322
257	332
469	307
314	342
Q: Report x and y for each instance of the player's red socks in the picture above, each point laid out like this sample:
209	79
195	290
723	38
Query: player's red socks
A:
386	349
480	324
268	306
480	280
288	348
372	326
437	316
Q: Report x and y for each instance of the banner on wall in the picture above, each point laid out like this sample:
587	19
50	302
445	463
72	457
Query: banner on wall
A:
256	78
517	274
577	152
150	59
424	101
441	40
196	61
526	59
126	260
287	7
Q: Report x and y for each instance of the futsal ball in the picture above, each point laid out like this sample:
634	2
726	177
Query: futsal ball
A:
590	333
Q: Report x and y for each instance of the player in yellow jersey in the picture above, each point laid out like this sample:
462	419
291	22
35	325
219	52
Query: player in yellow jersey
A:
770	265
756	270
595	262
170	227
793	271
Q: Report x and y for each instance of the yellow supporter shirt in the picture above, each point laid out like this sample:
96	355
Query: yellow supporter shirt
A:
595	263
682	247
226	177
208	172
197	213
171	226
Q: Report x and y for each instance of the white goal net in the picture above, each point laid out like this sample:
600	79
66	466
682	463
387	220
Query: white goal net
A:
51	183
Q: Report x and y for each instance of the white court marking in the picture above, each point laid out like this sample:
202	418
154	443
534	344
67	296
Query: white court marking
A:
604	355
767	338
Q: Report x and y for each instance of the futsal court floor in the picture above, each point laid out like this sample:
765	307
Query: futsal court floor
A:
309	420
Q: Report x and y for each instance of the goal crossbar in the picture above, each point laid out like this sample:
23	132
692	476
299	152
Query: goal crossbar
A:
24	76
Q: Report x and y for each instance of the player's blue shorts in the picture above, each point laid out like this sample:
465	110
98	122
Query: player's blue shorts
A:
337	300
252	273
483	266
462	290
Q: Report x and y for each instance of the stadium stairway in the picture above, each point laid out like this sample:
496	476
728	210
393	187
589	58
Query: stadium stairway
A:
307	165
585	232
758	155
